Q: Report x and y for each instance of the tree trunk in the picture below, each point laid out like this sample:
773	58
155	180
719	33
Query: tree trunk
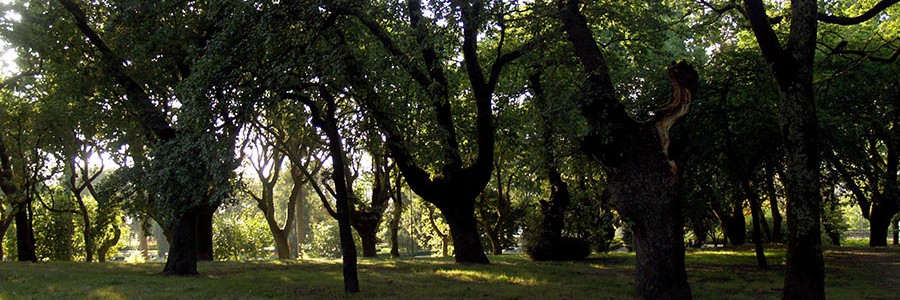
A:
183	251
369	238
805	272
395	224
282	247
25	242
647	194
467	246
736	225
756	215
792	67
86	230
142	236
879	223
205	231
108	244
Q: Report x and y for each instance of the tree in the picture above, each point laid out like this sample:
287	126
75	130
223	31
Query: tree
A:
455	186
792	66
186	210
643	176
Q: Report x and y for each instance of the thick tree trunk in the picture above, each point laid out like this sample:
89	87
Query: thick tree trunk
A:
183	251
756	215
25	242
369	239
805	272
736	225
647	194
467	246
205	232
282	246
879	223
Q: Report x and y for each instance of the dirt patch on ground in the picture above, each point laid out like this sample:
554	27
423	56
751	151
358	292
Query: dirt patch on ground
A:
880	264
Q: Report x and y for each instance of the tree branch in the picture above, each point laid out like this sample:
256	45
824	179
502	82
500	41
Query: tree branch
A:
137	100
880	7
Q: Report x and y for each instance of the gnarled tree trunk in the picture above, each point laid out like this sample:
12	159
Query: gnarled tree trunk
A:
644	178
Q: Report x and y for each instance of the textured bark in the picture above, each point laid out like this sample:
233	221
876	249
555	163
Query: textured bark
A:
792	67
643	177
182	258
464	233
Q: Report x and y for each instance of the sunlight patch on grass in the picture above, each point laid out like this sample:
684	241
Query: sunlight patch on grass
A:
476	276
106	294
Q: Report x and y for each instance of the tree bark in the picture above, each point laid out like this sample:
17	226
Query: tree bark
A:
183	251
792	67
467	246
204	231
369	238
25	242
644	179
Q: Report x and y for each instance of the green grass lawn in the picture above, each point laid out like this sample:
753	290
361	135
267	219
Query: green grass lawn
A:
852	273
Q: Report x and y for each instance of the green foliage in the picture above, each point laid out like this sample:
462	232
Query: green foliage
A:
240	233
187	172
323	240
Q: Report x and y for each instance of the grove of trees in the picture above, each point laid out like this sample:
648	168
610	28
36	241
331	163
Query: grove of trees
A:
463	127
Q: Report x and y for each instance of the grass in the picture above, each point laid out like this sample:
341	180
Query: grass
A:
852	273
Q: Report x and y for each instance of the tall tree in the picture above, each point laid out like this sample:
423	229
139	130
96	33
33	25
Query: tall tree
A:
187	211
792	66
455	186
643	176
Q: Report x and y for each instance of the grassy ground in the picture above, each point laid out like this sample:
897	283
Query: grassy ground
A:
852	273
